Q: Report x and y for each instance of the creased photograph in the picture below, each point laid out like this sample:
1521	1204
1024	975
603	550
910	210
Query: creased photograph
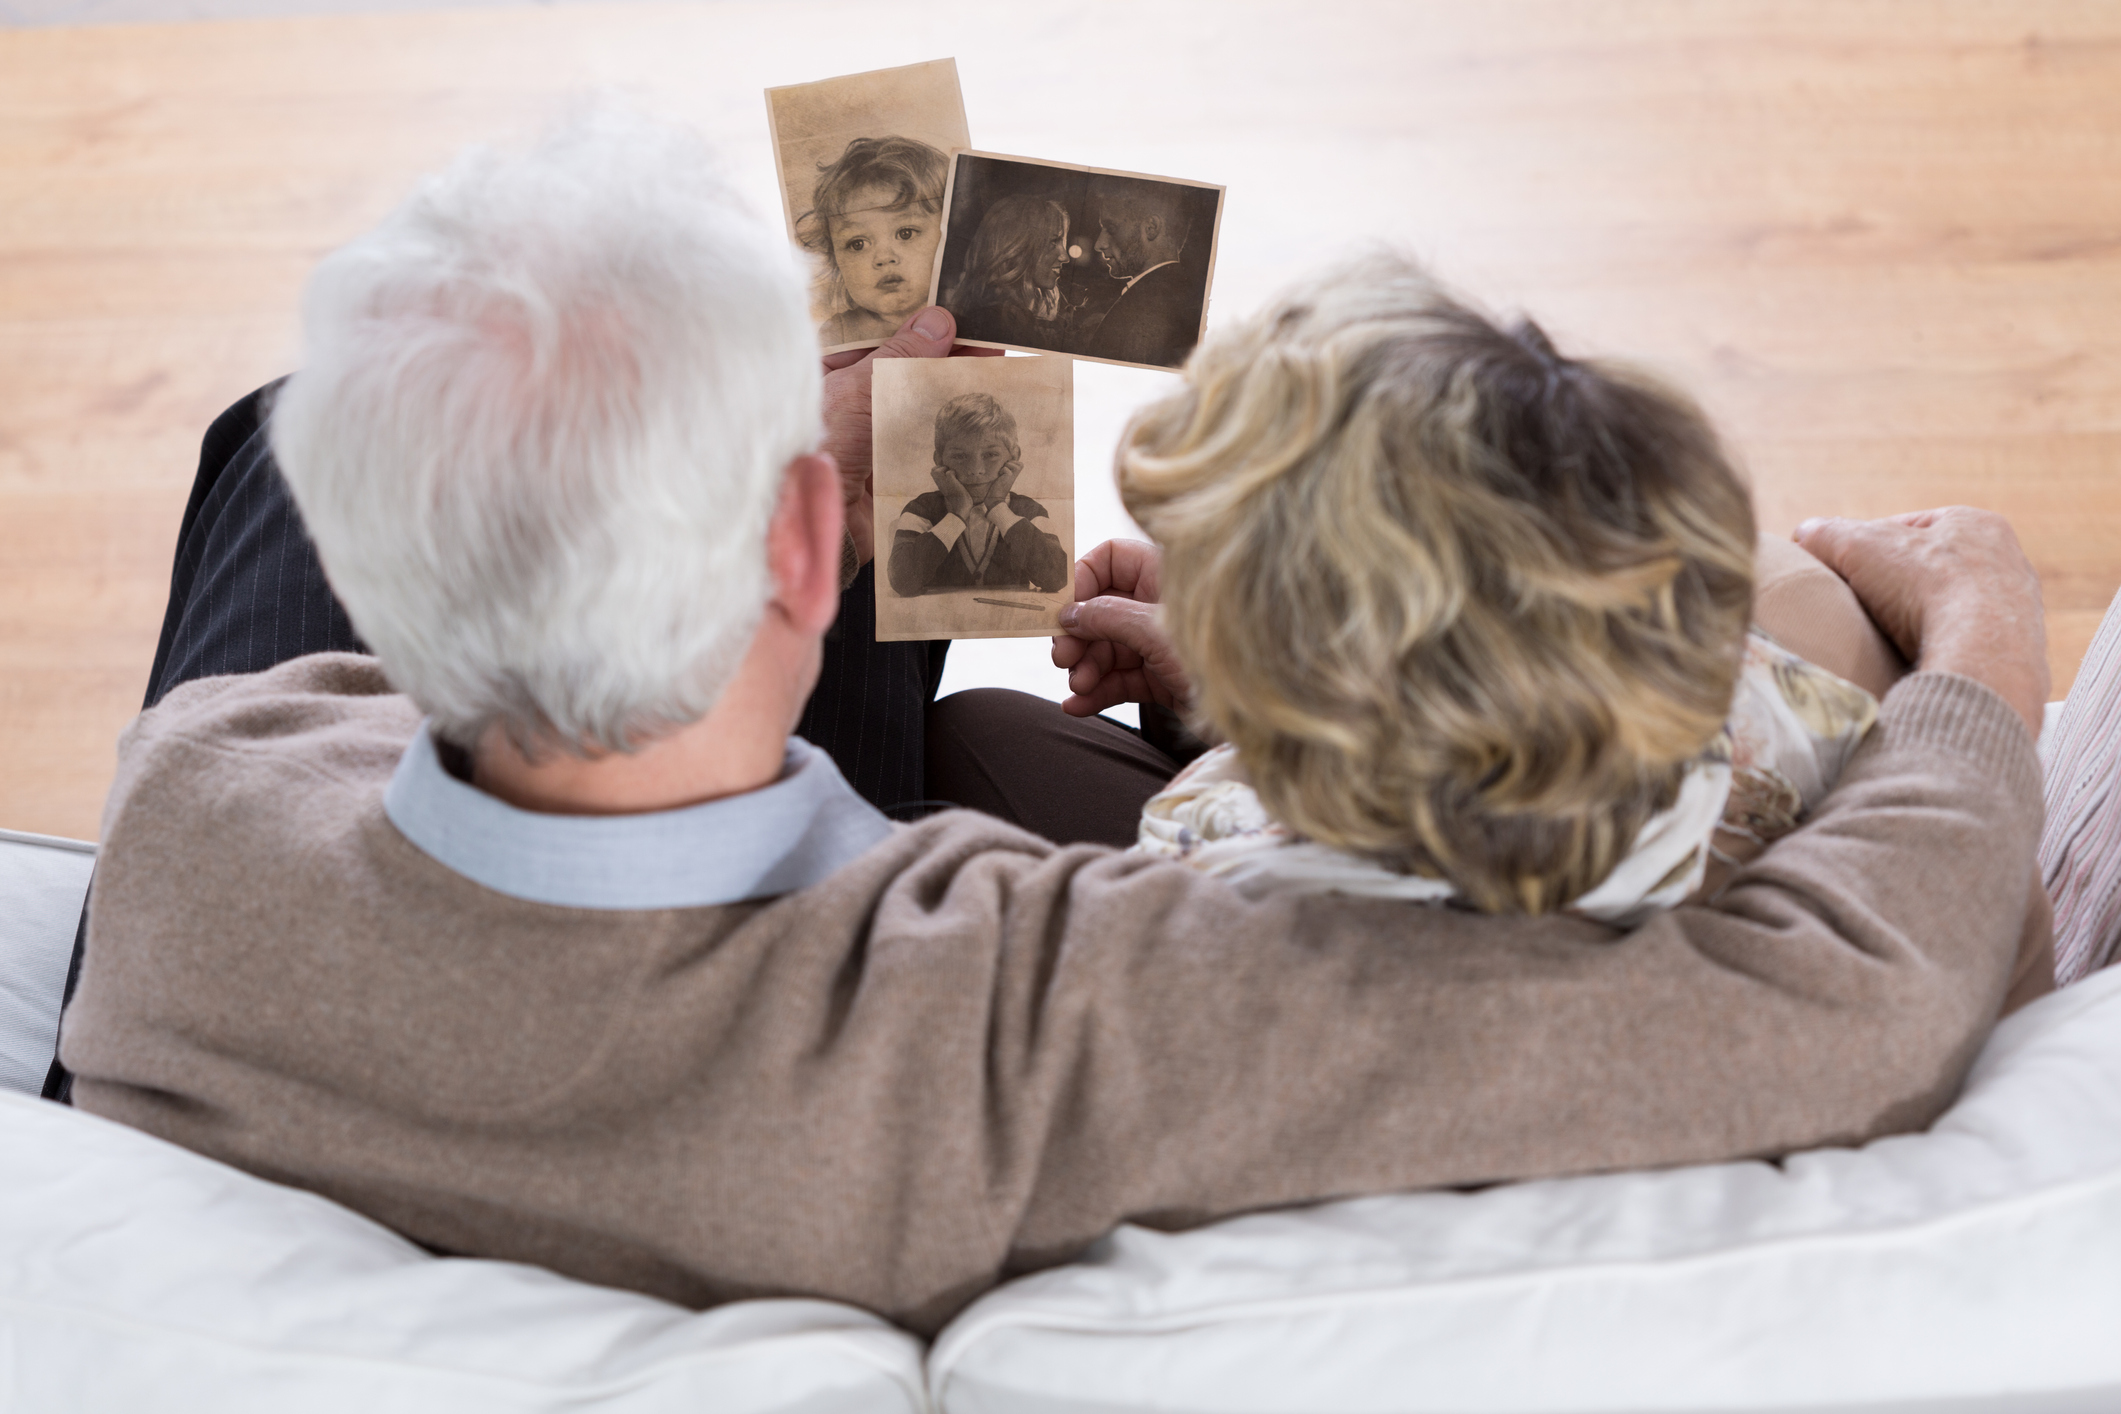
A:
975	496
863	162
1043	256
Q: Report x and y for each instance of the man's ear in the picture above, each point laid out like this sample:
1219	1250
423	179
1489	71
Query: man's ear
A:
1152	230
803	542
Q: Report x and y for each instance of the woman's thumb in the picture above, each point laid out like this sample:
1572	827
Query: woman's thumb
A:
1128	622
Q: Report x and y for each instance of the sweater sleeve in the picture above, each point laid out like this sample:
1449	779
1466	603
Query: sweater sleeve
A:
1033	552
921	539
1164	1051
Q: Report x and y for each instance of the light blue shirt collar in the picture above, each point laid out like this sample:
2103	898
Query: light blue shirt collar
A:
774	840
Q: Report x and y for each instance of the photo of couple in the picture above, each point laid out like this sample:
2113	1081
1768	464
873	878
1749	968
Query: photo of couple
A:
1108	266
880	185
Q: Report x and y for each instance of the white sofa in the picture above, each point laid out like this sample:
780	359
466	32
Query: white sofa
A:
1975	1269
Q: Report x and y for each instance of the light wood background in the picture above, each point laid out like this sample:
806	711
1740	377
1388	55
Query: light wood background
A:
1882	241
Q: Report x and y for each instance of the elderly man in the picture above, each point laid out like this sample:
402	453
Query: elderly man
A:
537	935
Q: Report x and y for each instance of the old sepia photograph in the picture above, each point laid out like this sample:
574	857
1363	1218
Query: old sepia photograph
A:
1111	266
975	496
863	162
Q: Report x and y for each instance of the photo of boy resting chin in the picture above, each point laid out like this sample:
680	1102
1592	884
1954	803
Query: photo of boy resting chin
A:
973	531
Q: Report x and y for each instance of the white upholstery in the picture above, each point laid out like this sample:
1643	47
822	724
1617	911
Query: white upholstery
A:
42	882
1973	1268
138	1276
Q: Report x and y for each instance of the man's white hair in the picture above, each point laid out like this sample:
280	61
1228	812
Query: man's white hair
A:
539	434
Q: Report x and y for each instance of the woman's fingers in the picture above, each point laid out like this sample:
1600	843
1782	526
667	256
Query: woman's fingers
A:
1081	705
1142	660
1104	660
1086	580
1085	661
1069	650
1114	650
1138	685
1116	620
1124	567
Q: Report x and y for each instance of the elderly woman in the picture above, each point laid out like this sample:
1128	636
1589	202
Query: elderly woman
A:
1474	623
1482	635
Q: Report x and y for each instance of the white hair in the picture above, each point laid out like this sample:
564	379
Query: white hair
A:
539	434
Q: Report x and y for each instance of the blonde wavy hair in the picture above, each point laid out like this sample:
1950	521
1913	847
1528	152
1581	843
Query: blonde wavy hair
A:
1462	605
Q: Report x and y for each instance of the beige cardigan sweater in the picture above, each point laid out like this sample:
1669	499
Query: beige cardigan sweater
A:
970	1052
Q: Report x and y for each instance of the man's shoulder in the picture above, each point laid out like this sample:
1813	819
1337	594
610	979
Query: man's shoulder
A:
320	692
334	714
1025	507
959	865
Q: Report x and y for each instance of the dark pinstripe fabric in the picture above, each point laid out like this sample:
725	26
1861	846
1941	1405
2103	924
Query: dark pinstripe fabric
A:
869	709
246	592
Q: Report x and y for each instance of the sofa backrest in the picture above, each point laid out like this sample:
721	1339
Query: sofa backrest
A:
1974	1269
42	882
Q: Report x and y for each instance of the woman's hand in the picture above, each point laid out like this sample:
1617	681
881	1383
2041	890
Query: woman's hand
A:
1115	649
927	334
1953	589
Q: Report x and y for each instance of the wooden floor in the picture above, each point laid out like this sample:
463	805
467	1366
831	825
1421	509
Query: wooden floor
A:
1882	241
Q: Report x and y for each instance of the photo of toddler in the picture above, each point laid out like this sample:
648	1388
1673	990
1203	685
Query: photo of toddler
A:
874	221
864	160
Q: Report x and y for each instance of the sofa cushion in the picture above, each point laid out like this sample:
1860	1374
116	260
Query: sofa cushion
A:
42	882
137	1275
1974	1268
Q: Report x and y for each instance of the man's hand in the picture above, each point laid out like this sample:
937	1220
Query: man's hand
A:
1115	650
926	334
1953	589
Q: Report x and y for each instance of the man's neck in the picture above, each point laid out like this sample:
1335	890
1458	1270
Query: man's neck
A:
737	747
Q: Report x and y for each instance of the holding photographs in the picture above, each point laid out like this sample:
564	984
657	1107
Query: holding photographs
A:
863	162
1110	266
975	496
